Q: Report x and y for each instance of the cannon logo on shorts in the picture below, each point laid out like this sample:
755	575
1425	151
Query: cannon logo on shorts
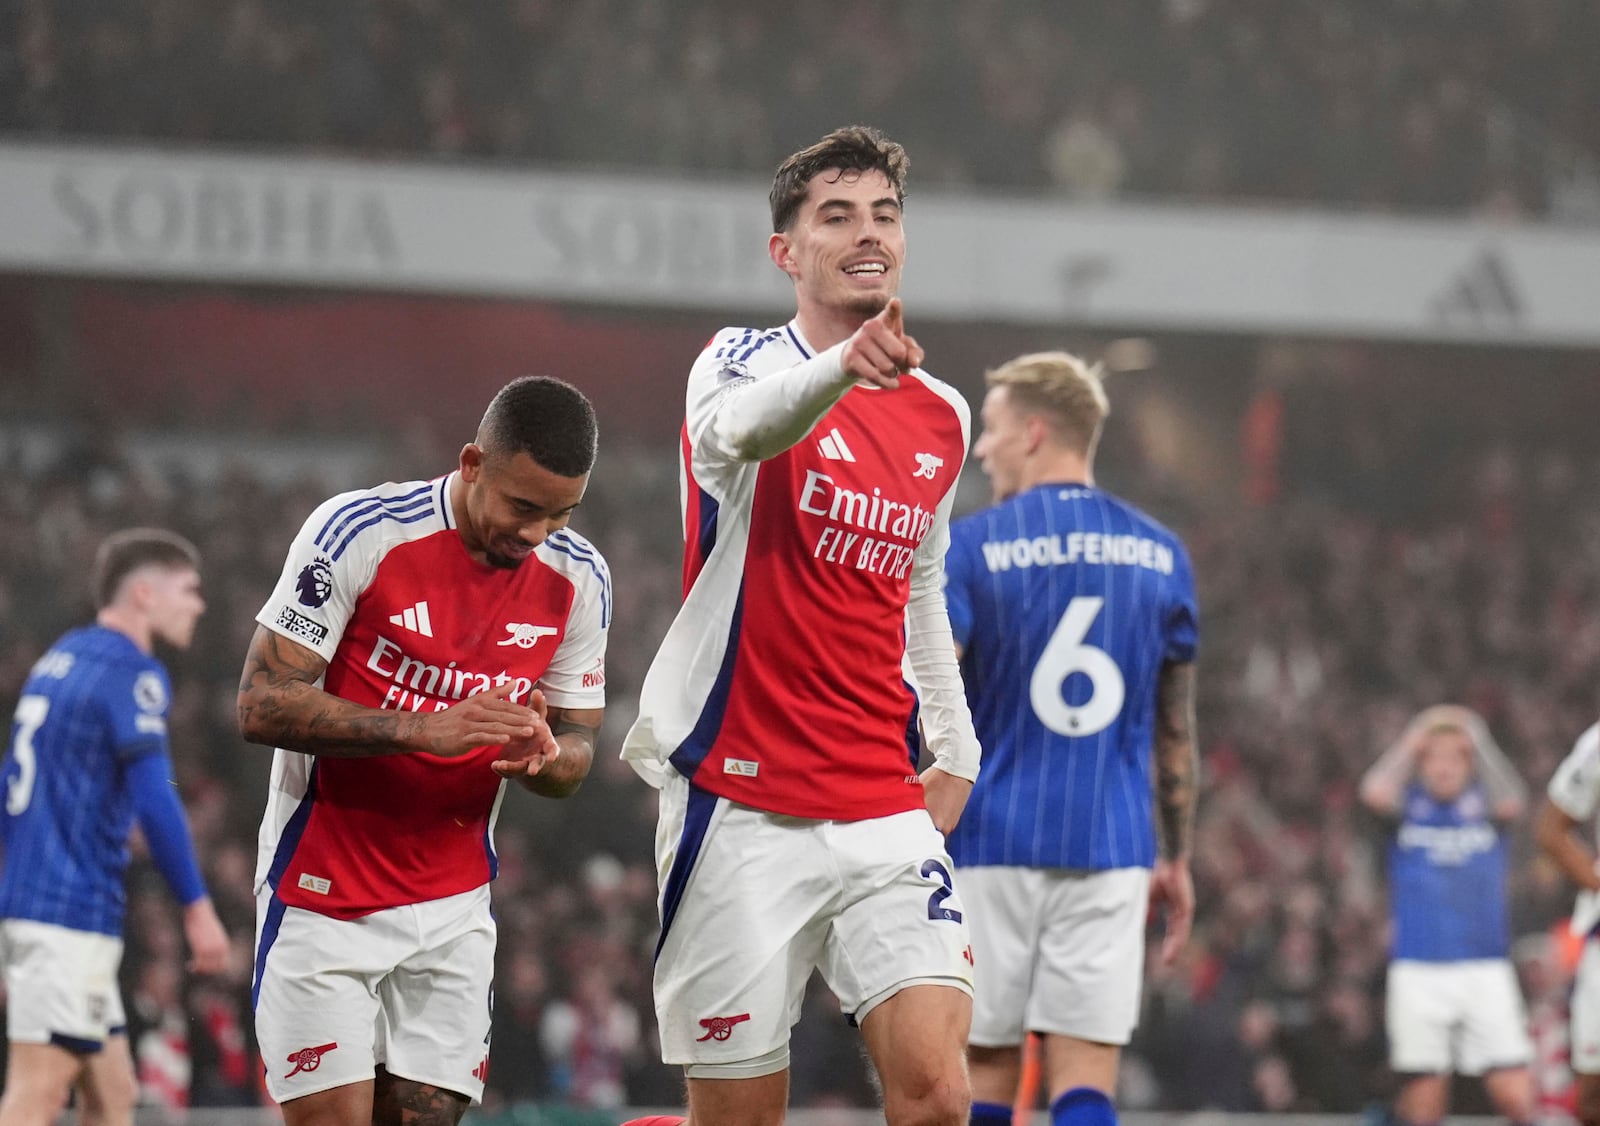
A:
720	1028
308	1059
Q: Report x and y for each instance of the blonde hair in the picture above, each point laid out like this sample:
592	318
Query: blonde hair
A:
1067	392
1441	719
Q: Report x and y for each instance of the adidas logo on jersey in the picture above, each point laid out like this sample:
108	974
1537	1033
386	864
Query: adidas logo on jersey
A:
414	618
833	446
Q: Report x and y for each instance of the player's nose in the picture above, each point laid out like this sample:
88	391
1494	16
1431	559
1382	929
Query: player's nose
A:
534	532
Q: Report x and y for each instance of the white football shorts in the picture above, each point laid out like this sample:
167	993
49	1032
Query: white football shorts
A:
407	987
753	902
1465	1017
1586	1010
61	985
1058	951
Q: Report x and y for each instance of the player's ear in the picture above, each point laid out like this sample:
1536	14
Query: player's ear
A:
471	462
1038	431
781	251
137	590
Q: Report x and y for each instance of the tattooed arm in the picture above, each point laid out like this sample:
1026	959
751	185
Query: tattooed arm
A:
1177	758
281	705
576	731
1177	762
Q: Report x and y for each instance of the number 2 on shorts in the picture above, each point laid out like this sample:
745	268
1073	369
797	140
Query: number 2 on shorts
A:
937	911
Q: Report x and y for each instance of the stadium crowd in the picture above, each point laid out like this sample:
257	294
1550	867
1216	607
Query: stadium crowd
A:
1368	557
1432	106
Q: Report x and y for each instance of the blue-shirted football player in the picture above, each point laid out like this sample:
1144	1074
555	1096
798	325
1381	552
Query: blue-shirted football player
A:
1453	1001
1076	619
88	755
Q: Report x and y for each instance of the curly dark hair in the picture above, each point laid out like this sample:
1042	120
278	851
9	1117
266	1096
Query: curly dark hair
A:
546	418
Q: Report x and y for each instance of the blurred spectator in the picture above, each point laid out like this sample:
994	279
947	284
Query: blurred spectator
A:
519	1069
1083	159
1544	961
158	1033
589	1037
829	1063
1467	108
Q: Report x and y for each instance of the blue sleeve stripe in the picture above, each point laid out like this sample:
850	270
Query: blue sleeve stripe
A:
600	573
584	552
365	503
392	507
378	519
578	549
728	348
758	345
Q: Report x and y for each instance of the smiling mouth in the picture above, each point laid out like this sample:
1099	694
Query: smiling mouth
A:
867	270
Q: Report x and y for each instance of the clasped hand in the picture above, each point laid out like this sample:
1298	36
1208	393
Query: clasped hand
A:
492	718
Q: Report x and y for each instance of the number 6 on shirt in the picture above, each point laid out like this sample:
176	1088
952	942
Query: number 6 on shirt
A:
1065	654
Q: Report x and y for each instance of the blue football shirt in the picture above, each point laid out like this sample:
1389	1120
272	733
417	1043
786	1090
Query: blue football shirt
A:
1066	602
1447	879
92	705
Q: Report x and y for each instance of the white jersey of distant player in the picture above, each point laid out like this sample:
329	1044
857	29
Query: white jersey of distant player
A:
380	584
1575	790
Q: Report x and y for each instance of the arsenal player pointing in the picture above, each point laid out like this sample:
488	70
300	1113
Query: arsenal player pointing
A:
819	466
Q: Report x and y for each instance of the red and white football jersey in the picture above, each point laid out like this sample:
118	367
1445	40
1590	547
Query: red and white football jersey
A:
779	685
380	584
